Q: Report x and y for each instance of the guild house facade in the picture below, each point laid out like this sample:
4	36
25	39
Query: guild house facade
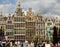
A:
21	26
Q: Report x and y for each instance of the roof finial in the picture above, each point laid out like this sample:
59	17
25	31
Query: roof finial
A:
18	3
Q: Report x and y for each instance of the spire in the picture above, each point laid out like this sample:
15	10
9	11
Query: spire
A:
9	16
18	3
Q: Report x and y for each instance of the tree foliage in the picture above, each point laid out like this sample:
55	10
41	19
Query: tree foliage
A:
36	37
54	35
58	33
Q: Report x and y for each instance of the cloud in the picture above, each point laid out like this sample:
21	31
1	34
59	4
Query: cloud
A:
1	6
47	7
7	8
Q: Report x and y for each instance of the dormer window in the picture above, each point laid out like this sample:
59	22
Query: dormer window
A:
9	21
49	24
49	20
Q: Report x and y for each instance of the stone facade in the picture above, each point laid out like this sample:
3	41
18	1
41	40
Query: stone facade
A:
21	27
19	24
40	26
30	21
9	28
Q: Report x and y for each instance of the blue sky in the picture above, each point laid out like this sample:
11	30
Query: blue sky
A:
47	7
7	6
7	1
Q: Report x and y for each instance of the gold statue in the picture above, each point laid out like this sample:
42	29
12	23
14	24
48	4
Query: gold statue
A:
2	27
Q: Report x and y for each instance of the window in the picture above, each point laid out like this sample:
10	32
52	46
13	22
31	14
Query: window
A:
19	37
9	33
9	21
19	24
18	19
30	23
21	31
9	26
